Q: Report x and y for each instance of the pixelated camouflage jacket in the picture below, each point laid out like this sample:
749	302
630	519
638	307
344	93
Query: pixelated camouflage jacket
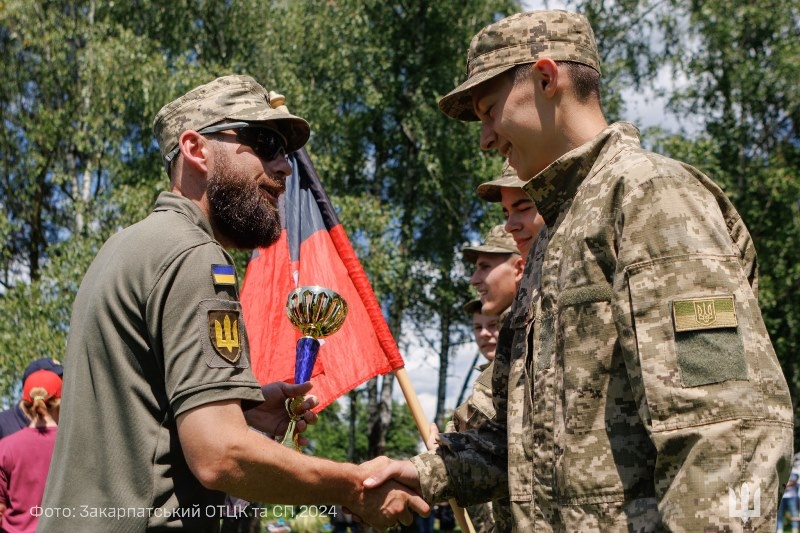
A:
478	407
493	516
643	392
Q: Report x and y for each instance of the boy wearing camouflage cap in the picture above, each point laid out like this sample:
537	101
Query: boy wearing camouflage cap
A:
523	219
643	390
477	409
497	270
158	388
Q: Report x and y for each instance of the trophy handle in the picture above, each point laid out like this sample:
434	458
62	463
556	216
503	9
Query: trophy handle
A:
290	440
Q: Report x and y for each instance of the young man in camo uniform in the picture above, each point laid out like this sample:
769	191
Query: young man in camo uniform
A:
636	387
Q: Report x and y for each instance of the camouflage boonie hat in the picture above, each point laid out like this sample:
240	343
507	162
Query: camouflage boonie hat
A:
516	40
497	241
235	98
473	306
490	190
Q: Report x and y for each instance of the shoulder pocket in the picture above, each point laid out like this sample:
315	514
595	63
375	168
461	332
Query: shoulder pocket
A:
694	328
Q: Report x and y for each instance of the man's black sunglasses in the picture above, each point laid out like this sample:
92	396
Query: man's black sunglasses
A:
267	143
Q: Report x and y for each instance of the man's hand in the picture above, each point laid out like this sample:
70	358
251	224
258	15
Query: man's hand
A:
271	416
387	502
384	469
432	443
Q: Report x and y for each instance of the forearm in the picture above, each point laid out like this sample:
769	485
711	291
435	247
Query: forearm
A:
452	470
225	455
261	469
744	457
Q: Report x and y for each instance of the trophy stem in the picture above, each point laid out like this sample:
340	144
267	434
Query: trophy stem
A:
306	355
290	440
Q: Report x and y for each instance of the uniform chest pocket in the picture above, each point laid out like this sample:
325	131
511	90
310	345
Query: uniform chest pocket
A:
481	402
591	366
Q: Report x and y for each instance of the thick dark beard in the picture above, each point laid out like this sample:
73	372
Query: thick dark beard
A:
238	210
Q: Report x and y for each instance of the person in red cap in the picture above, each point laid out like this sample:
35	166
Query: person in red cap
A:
25	456
14	418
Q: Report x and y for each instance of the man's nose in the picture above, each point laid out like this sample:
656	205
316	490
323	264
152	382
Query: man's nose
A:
488	138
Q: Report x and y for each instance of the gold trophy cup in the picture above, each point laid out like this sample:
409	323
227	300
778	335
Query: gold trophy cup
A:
317	312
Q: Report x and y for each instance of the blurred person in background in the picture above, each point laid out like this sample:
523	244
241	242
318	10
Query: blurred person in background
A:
25	456
14	418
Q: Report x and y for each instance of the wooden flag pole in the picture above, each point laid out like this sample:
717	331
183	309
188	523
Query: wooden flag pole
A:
424	431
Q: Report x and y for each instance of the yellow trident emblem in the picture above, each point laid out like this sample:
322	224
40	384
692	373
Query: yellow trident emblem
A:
705	312
225	334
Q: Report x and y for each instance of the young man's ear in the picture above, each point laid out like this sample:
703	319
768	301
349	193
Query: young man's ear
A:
519	267
545	72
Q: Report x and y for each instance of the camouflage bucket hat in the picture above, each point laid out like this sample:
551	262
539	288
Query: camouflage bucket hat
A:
516	40
497	241
490	190
473	306
235	98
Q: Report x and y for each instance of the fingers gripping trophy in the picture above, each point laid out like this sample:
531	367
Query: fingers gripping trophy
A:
317	312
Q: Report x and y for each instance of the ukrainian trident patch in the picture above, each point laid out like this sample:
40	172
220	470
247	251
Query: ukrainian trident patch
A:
223	331
704	313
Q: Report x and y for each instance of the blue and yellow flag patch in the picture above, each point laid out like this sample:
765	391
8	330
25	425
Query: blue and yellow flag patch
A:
223	274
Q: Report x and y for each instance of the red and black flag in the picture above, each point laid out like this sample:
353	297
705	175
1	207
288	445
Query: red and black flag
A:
314	250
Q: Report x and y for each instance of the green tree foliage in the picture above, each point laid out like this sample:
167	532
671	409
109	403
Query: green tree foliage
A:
331	436
634	38
380	138
76	91
83	79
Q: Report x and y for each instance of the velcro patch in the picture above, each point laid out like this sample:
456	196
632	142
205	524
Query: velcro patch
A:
223	274
223	331
704	313
222	334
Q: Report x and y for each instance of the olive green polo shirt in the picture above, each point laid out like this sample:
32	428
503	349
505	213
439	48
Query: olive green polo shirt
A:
156	330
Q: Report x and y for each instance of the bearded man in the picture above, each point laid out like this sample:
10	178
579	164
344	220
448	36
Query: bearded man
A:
158	392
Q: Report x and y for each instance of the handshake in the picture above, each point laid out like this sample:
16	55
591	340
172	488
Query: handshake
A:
381	492
391	491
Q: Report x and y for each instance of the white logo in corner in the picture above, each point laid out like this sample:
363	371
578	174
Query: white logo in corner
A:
743	510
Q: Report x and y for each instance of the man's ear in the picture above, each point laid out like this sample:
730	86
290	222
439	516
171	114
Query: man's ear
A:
194	149
546	75
519	267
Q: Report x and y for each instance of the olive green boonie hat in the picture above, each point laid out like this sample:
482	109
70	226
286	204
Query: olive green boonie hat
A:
490	190
229	98
497	241
516	40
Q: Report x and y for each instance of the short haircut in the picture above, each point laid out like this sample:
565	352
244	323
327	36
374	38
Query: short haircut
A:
585	79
